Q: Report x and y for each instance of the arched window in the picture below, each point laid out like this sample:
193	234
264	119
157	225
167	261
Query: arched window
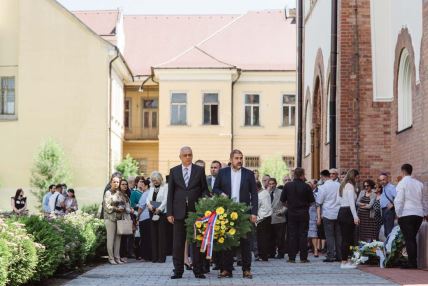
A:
404	88
308	127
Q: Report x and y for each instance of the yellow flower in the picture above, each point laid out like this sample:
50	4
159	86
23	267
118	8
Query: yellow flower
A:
217	222
223	223
221	240
223	227
231	223
207	213
220	210
217	228
232	231
222	232
198	224
199	237
234	215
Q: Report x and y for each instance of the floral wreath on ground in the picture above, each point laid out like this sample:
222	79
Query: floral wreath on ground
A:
218	224
388	254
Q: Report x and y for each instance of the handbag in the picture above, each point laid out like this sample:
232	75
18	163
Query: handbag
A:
124	226
423	246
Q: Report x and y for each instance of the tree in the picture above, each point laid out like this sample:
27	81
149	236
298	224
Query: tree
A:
275	167
50	167
128	167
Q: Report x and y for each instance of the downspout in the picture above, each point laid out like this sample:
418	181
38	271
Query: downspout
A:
333	83
357	84
299	81
232	100
111	108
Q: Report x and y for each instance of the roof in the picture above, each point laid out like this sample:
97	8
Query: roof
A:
101	22
260	40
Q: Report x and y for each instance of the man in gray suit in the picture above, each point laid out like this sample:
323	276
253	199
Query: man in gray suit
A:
278	220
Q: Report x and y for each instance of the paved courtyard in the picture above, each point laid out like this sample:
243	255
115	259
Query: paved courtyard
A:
274	272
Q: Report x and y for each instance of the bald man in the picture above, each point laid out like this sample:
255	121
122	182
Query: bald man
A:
186	185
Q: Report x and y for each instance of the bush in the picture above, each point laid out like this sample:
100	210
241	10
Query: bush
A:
128	167
23	259
50	167
275	167
91	209
5	256
45	234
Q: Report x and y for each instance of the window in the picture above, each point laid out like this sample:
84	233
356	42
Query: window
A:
7	96
252	109
308	127
288	109
404	92
179	109
289	161
210	108
252	161
128	117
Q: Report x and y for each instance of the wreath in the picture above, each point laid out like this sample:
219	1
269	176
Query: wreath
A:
218	224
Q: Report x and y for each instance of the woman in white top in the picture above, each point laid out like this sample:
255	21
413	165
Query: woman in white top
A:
156	203
263	223
347	216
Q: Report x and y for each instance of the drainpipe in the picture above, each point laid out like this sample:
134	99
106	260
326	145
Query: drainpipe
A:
333	83
299	81
232	100
111	108
356	63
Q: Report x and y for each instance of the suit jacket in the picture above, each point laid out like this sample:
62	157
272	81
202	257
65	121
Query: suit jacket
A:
247	193
209	183
182	199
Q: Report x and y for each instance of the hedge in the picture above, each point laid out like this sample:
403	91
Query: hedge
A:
35	248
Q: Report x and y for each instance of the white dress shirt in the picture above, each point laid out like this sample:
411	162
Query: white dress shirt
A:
236	184
348	199
52	204
410	198
212	182
327	199
265	205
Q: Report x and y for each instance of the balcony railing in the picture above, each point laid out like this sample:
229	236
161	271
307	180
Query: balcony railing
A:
139	133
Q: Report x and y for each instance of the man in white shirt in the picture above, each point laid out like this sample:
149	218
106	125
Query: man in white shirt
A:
56	201
328	208
410	208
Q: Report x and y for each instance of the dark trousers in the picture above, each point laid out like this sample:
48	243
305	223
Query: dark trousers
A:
227	256
347	228
179	233
145	240
409	226
126	245
158	230
264	238
297	236
388	217
333	238
278	230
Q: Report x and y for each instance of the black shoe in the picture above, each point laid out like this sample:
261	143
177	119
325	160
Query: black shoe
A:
225	274
239	263
161	261
279	256
272	256
216	268
329	260
291	260
177	276
188	267
200	276
304	261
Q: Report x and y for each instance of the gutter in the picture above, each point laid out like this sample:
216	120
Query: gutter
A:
299	81
232	100
333	83
110	107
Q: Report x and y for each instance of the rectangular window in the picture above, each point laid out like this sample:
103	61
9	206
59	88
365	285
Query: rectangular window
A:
288	109
252	109
154	119
252	161
210	108
289	161
178	109
127	119
7	96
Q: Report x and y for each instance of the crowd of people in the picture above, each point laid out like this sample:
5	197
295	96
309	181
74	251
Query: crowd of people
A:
325	216
59	201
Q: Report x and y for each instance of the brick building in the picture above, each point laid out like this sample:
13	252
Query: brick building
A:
381	86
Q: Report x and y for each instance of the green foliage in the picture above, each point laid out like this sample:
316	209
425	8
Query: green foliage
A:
241	224
128	167
274	167
49	167
5	256
23	259
45	234
92	209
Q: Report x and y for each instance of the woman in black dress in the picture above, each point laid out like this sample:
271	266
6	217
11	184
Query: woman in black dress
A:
19	203
368	229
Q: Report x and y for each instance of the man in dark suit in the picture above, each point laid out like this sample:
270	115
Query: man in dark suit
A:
187	184
239	184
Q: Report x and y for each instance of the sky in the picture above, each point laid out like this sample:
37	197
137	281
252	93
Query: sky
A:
130	7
